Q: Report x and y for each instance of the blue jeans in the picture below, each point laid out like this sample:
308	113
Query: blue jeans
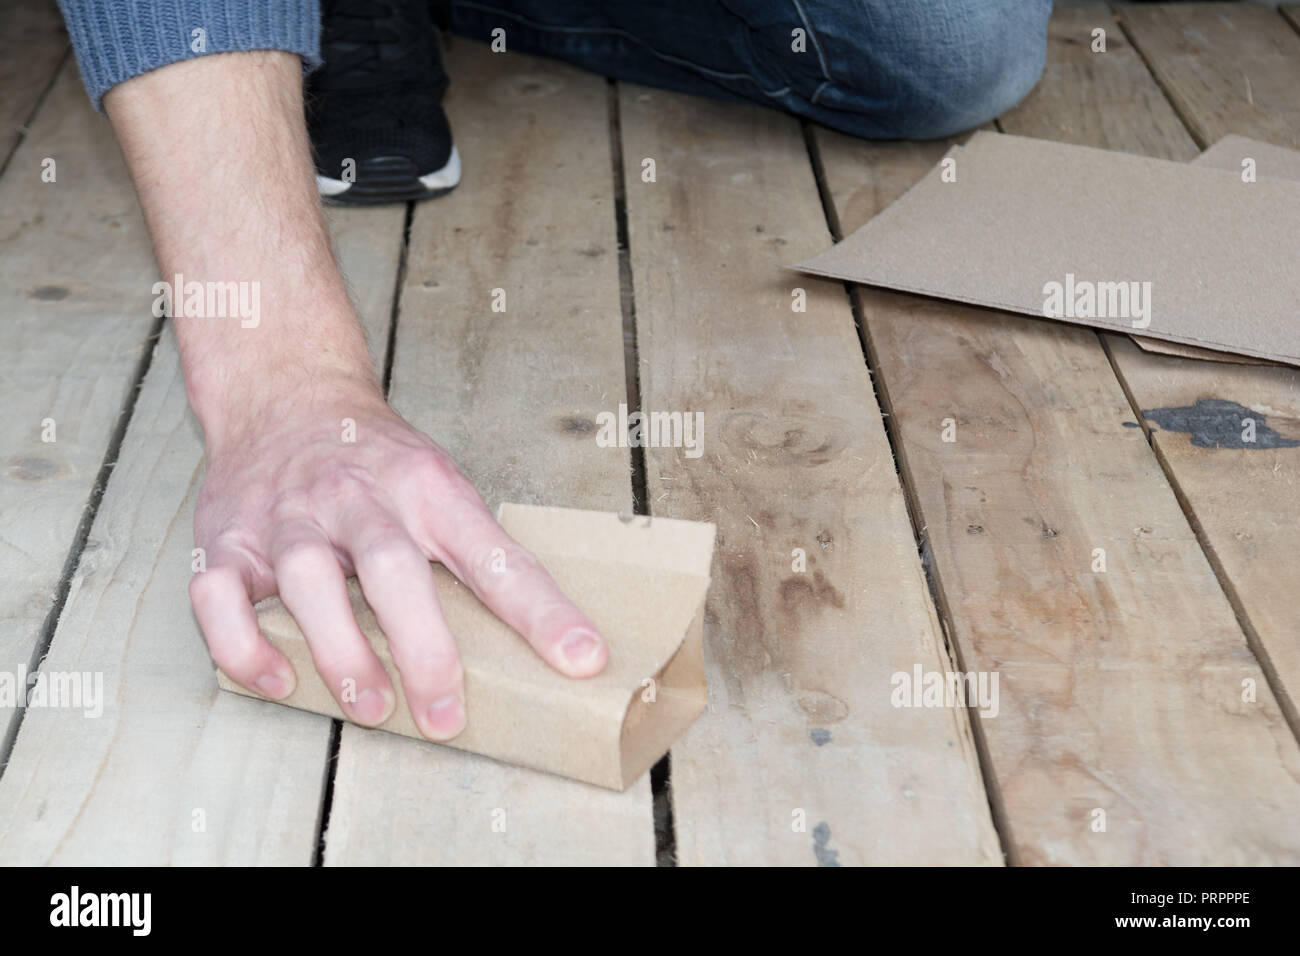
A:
882	69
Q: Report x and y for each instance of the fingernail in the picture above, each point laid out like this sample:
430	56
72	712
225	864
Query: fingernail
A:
447	716
274	686
371	706
580	646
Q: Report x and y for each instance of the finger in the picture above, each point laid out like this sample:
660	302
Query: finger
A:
508	579
224	610
313	588
399	586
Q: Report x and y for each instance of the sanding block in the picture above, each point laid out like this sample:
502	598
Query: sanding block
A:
641	580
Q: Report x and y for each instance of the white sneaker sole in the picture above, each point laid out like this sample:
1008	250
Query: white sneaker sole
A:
446	178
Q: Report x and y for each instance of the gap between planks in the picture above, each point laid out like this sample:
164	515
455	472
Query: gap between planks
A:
386	379
82	791
33	51
997	808
1036	821
91	423
462	373
797	444
1176	133
661	779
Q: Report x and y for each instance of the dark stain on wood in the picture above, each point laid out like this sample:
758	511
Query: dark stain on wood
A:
576	425
822	708
1219	423
821	846
744	640
31	468
798	591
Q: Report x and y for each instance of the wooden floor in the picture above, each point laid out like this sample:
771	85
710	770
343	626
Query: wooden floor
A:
1147	714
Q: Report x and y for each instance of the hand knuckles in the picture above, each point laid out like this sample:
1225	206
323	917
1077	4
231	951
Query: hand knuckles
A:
237	538
493	565
291	504
388	555
429	669
304	562
209	587
338	483
232	655
457	507
433	468
463	493
337	665
554	616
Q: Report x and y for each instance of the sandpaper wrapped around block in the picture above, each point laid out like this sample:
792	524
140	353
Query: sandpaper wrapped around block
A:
641	581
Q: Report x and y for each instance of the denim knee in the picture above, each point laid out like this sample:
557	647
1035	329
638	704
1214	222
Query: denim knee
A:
934	68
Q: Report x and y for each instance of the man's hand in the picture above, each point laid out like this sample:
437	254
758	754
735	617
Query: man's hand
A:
217	147
289	506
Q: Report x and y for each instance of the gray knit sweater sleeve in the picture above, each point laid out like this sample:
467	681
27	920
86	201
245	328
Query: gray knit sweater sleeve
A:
117	39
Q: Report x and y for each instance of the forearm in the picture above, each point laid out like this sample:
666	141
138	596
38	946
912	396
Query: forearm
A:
218	150
217	146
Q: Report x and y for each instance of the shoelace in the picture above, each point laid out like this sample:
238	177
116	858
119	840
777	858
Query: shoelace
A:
353	41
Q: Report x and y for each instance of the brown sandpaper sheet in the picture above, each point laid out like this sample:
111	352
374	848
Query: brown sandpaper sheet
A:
1274	162
1271	162
1022	213
1195	352
642	581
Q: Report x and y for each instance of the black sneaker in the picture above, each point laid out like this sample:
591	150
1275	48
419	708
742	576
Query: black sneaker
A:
374	109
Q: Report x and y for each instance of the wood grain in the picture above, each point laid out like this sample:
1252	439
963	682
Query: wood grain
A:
1122	690
1087	97
513	396
1222	66
76	269
801	759
1243	501
32	45
172	771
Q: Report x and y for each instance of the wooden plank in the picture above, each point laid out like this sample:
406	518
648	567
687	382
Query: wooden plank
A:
32	45
169	753
171	771
1087	97
800	726
1244	501
513	396
75	274
1222	65
1121	691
